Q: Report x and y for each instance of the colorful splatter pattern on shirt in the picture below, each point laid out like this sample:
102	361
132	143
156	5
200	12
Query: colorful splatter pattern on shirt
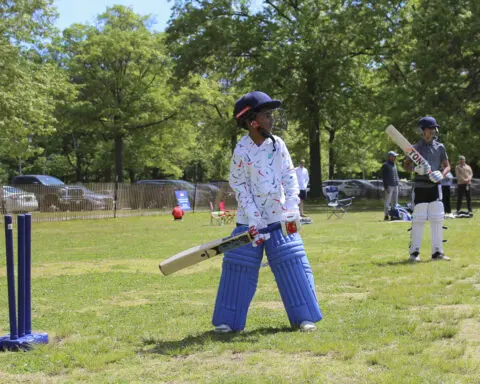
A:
264	180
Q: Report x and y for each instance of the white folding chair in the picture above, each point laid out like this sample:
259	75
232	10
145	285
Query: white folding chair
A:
338	207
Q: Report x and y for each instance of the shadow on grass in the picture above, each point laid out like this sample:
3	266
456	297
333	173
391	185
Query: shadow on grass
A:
394	263
191	343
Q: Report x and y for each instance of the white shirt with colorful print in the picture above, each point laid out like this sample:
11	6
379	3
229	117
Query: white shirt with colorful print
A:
264	180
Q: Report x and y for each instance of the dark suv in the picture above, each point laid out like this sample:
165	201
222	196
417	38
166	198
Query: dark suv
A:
53	194
47	189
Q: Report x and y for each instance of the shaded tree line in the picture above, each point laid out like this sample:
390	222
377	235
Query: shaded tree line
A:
115	100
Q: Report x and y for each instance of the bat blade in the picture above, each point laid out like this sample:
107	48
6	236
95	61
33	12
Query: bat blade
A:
206	251
202	252
406	147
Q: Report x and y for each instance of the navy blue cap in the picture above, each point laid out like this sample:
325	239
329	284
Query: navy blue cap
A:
427	122
254	100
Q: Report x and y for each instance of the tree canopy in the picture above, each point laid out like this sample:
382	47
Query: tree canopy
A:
114	100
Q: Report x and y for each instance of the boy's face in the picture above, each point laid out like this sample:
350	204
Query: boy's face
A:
429	134
264	119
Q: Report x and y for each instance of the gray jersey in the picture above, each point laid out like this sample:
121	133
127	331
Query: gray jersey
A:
435	154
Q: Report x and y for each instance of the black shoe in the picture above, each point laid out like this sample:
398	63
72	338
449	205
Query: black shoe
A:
414	256
440	256
386	218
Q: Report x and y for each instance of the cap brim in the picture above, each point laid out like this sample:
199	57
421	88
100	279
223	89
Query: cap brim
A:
274	104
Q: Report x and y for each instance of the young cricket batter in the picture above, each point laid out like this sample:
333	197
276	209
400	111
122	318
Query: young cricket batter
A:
265	183
427	191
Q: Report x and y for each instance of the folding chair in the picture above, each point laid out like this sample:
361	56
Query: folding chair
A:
228	215
339	207
222	216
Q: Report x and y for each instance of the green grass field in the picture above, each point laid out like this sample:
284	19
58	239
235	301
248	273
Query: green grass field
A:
113	318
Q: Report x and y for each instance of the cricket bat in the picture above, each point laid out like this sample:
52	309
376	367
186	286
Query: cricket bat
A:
206	251
406	147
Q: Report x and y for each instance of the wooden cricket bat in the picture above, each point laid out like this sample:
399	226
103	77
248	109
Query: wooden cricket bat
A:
206	251
406	147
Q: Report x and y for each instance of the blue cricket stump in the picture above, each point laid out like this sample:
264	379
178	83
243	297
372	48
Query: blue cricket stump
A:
21	336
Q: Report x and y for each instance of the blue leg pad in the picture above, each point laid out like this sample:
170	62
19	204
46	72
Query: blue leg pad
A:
289	263
238	284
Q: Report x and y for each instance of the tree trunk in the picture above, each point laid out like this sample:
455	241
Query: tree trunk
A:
118	157
315	157
133	176
331	154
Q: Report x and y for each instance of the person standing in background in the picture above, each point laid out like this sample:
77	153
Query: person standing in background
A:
464	180
390	183
303	179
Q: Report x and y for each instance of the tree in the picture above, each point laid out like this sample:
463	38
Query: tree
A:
302	52
122	70
30	89
431	68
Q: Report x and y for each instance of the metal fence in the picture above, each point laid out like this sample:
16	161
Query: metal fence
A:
111	200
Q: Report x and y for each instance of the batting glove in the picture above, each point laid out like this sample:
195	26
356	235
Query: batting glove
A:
435	177
254	226
291	222
423	169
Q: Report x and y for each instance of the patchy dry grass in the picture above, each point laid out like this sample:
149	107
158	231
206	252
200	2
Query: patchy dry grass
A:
113	318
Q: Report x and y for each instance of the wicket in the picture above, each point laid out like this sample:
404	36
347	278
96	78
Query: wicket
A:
21	336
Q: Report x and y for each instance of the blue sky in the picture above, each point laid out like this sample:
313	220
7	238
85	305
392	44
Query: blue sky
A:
85	11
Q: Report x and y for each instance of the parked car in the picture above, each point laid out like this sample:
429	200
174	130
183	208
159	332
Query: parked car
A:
47	189
404	187
14	200
53	194
378	184
474	188
80	198
351	188
337	183
213	190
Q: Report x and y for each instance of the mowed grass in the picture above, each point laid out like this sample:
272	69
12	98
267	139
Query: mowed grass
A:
113	318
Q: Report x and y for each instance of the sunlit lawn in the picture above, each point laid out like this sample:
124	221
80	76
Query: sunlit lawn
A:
113	318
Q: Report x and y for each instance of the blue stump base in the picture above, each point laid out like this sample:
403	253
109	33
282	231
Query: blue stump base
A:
22	343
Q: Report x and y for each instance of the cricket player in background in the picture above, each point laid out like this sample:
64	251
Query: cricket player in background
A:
303	179
266	187
427	191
